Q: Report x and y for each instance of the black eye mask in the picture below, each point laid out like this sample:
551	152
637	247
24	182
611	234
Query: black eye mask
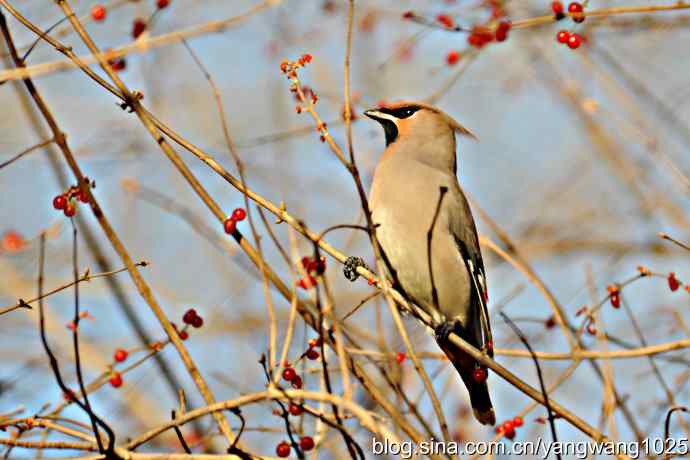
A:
402	112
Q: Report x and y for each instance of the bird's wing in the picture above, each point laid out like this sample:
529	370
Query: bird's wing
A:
467	242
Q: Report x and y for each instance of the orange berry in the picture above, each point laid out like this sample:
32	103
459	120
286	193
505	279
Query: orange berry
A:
98	13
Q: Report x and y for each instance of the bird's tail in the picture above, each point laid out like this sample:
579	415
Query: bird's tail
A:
477	388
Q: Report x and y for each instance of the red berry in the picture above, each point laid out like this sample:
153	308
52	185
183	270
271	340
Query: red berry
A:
120	355
306	283
499	429
83	197
576	7
197	322
452	57
563	36
408	15
479	374
289	374
591	329
118	64
98	13
295	409
474	40
574	41
480	36
306	443
673	283
312	354
550	322
239	214
162	4
116	380
502	30
614	291
138	27
70	210
297	382
508	429
283	449
189	316
60	202
400	357
184	335
615	300
501	35
445	20
557	7
517	421
229	225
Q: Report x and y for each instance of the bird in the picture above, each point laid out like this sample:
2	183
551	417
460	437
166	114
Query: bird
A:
427	235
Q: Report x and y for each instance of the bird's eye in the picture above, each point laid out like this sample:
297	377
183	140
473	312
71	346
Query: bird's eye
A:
405	112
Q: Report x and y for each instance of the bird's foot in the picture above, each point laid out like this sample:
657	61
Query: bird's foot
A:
350	267
444	329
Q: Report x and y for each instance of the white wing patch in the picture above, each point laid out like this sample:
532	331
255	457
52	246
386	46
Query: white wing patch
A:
480	286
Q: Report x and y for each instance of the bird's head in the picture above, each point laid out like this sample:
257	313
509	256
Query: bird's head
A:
408	120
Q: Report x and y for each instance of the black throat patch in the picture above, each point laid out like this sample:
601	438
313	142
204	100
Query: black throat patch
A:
390	130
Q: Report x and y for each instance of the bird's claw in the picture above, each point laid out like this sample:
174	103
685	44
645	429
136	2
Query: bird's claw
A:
350	267
443	330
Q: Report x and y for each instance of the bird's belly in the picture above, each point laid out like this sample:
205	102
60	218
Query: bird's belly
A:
404	222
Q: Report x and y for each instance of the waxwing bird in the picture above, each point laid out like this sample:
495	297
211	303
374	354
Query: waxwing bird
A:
414	194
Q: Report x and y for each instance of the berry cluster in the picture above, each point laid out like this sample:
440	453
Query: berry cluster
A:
507	428
230	224
313	268
115	379
191	318
445	20
482	35
312	353
99	13
289	68
574	8
66	202
290	375
572	39
306	443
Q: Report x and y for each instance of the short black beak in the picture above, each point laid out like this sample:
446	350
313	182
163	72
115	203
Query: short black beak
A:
374	114
386	121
